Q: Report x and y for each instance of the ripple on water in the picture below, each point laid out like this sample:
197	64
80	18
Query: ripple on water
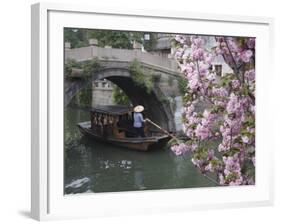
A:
78	183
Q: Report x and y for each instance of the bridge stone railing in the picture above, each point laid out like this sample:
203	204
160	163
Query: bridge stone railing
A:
86	53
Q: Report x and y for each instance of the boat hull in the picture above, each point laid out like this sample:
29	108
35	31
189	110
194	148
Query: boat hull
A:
142	144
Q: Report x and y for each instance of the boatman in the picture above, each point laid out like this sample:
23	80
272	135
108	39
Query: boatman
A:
139	121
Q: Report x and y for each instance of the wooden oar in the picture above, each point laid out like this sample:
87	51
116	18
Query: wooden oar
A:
162	129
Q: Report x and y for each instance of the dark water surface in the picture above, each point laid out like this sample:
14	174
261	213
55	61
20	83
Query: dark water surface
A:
98	167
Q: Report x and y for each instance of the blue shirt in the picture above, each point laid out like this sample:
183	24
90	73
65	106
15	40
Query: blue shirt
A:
138	120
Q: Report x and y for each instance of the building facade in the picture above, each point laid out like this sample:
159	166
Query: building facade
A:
102	93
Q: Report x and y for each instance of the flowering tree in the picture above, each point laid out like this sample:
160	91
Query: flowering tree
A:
219	111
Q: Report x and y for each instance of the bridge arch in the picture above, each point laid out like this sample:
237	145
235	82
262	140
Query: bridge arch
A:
156	108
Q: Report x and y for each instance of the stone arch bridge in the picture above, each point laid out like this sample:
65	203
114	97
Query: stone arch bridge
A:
161	103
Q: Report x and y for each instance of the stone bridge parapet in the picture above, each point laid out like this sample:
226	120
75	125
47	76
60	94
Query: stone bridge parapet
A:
153	59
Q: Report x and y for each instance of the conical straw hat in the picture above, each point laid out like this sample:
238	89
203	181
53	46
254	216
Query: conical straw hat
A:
138	108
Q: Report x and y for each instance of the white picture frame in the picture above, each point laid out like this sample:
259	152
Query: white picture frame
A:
48	201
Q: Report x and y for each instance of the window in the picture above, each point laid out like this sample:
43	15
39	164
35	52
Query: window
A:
218	70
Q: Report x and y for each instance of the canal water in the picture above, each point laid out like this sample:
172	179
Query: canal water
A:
91	166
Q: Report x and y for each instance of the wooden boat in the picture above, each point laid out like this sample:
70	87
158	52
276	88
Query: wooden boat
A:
114	124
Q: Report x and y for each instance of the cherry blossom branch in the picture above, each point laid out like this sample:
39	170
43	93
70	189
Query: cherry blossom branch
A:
204	95
236	71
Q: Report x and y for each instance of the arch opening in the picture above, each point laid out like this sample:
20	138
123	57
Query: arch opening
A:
154	108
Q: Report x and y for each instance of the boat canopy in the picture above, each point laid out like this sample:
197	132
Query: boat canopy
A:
112	109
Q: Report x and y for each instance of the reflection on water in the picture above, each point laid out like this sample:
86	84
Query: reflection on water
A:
98	167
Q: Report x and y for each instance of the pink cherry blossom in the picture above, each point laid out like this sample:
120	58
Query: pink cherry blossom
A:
198	54
233	104
220	92
224	111
246	55
251	43
180	149
233	45
245	139
235	84
197	42
202	132
180	38
250	75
